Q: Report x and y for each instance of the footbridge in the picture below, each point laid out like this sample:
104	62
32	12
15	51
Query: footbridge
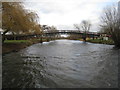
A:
54	33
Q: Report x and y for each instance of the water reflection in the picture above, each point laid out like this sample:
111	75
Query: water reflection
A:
62	63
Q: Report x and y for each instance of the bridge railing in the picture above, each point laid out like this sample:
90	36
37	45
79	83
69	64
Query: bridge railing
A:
58	31
70	31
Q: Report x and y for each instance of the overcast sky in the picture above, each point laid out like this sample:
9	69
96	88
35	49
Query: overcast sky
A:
64	13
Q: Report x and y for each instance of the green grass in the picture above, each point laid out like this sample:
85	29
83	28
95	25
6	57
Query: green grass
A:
38	40
24	41
101	41
16	41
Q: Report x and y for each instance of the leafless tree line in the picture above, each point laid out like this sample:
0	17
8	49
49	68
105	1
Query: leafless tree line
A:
110	23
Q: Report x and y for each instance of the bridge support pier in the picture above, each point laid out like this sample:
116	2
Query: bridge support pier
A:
41	41
47	38
93	37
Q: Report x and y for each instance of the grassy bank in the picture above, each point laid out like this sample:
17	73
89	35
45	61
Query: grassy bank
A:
16	45
109	42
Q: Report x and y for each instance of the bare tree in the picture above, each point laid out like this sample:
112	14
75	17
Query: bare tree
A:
53	28
111	23
48	28
84	27
77	26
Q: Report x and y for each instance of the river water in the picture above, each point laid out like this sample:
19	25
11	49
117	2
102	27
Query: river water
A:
62	64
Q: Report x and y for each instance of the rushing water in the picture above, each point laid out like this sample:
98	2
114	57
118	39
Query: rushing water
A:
62	64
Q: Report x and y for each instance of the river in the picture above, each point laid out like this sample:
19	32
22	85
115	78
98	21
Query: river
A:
62	64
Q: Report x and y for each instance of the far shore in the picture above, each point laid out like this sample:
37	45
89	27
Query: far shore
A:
16	45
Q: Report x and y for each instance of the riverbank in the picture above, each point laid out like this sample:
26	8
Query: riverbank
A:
109	42
16	45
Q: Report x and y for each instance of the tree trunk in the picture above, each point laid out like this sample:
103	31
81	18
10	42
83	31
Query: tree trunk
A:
84	37
14	35
116	40
117	43
41	39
